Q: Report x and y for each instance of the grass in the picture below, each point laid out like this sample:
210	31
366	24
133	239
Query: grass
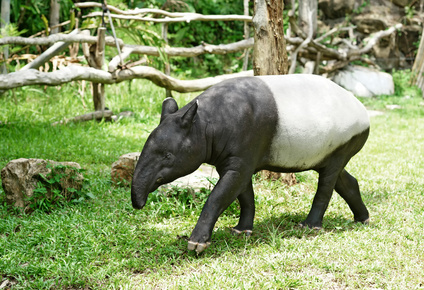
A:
104	244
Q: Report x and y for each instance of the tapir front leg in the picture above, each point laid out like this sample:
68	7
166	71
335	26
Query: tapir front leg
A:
225	192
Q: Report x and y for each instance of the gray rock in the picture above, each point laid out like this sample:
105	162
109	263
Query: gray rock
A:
365	82
20	177
333	9
123	169
402	3
204	177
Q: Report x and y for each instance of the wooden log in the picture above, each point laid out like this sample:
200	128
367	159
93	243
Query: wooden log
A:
418	66
52	51
185	17
99	55
97	115
181	51
52	39
54	16
76	73
144	11
246	30
372	40
4	21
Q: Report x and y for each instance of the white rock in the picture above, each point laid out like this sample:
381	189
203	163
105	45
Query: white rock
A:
365	82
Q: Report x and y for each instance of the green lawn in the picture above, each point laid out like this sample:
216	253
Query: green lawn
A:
103	243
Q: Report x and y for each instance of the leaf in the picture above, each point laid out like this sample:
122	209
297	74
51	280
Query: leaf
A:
44	177
180	34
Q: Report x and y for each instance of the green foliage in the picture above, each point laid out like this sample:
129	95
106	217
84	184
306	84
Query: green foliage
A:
410	12
362	6
213	32
402	80
106	244
61	186
28	15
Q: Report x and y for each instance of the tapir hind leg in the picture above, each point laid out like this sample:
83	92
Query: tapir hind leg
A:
326	183
348	188
247	211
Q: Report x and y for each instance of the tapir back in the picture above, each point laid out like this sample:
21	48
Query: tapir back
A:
315	117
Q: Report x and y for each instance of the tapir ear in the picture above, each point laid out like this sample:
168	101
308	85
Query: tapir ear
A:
188	117
169	106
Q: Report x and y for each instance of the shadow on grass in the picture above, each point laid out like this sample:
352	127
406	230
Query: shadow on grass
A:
268	231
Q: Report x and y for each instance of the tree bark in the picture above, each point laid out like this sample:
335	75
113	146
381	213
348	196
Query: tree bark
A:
269	53
246	35
97	115
99	55
308	16
54	16
184	17
76	73
52	51
4	21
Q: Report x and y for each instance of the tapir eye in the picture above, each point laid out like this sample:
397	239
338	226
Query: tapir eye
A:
168	159
159	180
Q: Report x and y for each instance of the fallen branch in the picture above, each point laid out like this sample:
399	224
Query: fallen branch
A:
185	17
310	48
304	43
136	11
54	50
182	51
97	115
81	37
76	73
373	39
58	37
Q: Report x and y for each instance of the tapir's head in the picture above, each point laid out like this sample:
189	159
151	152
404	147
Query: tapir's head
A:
172	150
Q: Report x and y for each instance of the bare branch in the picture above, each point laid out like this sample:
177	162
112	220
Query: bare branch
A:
293	56
136	11
373	40
75	73
54	50
97	115
179	16
182	51
333	31
186	17
58	37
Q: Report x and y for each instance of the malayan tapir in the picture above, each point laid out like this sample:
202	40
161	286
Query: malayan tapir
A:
287	123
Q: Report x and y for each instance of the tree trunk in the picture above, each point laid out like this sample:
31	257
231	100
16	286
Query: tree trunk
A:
54	16
308	16
269	53
418	67
4	21
246	35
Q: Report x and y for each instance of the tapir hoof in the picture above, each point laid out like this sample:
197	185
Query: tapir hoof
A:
365	222
237	232
310	226
198	247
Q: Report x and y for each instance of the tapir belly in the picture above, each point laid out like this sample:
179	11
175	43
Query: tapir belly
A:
315	117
